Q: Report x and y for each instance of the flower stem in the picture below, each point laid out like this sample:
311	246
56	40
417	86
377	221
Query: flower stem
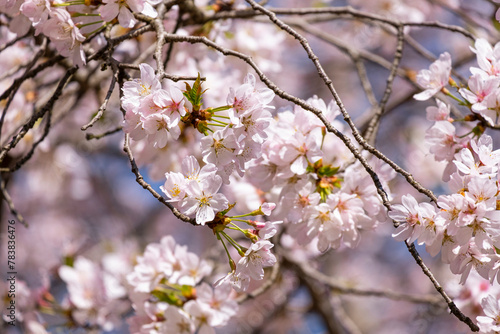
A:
225	247
88	24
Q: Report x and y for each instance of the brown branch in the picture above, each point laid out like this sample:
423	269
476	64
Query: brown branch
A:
345	114
46	108
305	269
140	179
453	308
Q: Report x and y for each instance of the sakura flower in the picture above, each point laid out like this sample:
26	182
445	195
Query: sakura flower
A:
65	35
266	230
483	147
492	111
470	256
218	299
123	9
433	228
253	125
408	214
256	258
137	89
133	122
301	150
174	187
192	172
323	224
37	11
177	321
192	271
247	98
93	292
202	315
480	86
155	264
349	213
490	323
171	102
467	164
443	140
439	113
238	283
488	58
435	78
159	128
219	148
299	203
203	200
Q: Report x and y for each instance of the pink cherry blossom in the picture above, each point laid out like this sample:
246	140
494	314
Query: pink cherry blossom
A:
435	78
256	258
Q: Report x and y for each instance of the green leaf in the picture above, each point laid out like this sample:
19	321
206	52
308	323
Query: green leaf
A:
194	94
328	170
171	298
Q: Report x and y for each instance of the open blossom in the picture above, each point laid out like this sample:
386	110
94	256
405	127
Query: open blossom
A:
124	9
93	292
218	300
37	11
480	86
439	113
203	201
246	98
174	187
220	148
238	283
167	261
256	258
490	323
65	35
435	78
300	150
488	57
407	214
443	140
135	90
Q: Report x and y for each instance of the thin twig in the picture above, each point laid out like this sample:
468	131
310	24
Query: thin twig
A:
140	179
104	104
453	308
371	131
90	136
12	208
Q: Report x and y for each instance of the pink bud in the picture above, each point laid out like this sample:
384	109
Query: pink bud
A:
267	208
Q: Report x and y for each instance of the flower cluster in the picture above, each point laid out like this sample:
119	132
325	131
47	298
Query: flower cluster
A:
195	190
68	24
169	295
316	197
463	225
233	147
95	294
152	112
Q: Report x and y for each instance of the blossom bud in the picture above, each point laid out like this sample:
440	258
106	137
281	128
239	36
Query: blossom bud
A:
266	208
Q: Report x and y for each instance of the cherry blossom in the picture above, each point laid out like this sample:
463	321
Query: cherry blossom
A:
435	78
